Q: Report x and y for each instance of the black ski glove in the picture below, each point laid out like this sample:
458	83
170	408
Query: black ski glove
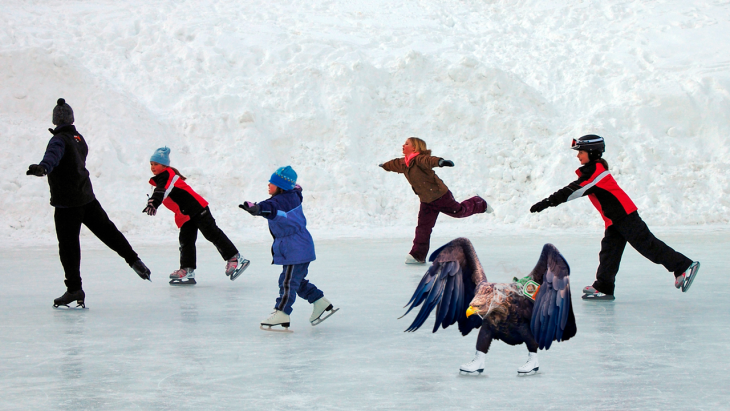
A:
540	205
445	163
150	209
251	208
36	170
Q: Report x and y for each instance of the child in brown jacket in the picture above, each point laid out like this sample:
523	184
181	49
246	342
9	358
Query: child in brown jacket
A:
417	166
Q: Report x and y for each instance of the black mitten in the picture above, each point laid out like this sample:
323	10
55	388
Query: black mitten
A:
251	208
36	170
540	205
150	209
445	163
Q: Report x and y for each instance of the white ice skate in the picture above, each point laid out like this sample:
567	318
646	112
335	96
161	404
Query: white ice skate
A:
183	276
276	318
236	266
490	210
319	307
530	367
475	366
411	260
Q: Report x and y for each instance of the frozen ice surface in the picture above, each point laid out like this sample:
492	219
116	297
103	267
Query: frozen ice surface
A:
151	346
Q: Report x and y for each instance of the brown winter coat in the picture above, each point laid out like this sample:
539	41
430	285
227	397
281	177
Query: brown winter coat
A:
425	183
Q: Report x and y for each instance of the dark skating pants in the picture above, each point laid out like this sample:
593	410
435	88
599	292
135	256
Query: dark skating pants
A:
429	212
68	226
633	230
293	283
204	222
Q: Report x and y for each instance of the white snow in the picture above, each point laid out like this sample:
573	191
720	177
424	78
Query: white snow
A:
333	88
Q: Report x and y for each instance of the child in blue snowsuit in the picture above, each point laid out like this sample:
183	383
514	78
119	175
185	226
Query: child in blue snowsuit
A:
293	247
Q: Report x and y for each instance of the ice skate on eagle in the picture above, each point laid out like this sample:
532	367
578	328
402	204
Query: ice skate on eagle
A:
535	310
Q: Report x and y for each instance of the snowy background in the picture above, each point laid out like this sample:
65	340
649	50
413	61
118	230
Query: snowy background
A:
333	88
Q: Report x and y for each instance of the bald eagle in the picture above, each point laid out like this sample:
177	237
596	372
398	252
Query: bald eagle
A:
535	310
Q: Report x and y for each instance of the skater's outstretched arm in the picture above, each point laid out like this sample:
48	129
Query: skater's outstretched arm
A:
396	165
54	152
563	195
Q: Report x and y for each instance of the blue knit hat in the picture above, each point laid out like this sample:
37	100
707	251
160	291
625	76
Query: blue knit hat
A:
161	156
284	178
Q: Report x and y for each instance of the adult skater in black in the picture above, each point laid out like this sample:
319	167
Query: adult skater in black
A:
623	223
73	198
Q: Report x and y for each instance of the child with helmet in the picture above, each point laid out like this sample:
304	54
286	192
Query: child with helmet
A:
293	248
622	220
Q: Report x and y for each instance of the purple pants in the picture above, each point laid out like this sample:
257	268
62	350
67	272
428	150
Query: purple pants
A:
429	212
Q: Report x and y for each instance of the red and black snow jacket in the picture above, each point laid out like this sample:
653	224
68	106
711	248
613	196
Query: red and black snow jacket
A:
174	193
600	187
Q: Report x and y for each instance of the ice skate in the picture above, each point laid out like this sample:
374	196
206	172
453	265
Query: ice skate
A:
590	293
530	367
411	260
183	276
236	266
142	271
67	298
475	366
489	210
320	307
684	281
276	318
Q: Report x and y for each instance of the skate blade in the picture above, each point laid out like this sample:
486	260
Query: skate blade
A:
592	297
275	330
319	319
473	373
695	267
183	282
525	374
240	270
64	307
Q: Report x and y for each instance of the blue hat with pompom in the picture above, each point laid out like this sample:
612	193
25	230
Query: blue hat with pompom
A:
284	178
161	156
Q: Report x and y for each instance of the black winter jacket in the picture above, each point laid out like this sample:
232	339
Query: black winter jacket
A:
65	163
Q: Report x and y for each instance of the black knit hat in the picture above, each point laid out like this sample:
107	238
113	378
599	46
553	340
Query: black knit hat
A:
63	113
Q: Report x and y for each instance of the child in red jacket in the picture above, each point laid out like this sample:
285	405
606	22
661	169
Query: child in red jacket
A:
623	223
191	214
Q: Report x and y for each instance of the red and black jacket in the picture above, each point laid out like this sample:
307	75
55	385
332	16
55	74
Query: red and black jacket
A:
600	187
174	193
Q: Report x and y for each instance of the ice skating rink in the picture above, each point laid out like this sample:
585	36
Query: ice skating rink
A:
150	346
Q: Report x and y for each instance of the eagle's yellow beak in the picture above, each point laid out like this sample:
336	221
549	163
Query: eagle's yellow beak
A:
470	311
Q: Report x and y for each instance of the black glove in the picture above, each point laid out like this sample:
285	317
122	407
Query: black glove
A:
150	209
445	163
540	205
36	170
251	208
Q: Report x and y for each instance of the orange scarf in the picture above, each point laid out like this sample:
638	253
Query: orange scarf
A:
410	157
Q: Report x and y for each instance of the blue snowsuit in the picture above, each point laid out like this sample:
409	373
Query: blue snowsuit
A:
293	248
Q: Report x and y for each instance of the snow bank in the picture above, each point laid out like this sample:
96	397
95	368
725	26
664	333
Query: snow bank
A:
237	89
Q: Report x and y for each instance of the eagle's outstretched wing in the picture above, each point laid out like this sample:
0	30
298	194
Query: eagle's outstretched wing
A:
448	286
552	316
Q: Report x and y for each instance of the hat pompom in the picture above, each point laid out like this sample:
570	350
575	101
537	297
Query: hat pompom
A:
61	102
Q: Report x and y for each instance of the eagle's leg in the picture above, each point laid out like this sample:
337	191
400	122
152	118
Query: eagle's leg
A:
532	365
476	366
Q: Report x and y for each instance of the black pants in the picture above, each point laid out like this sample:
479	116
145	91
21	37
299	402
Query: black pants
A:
68	226
633	230
204	222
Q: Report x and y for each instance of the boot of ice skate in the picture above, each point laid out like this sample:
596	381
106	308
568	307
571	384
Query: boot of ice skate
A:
590	293
475	366
236	265
530	367
142	271
183	276
684	280
68	297
277	318
319	308
411	260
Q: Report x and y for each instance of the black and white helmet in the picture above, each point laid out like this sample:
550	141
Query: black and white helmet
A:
590	143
